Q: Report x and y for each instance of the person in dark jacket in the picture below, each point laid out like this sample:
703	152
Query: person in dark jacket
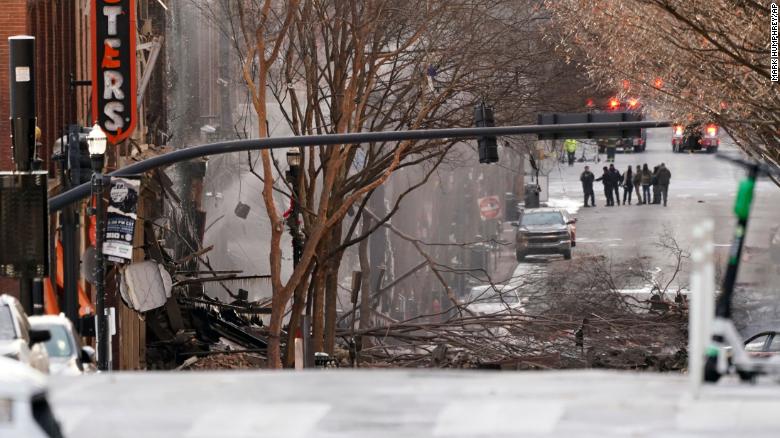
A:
586	178
654	183
606	179
638	184
617	180
663	176
647	178
628	185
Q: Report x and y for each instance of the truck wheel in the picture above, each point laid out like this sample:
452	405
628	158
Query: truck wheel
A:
567	255
519	255
712	150
637	149
711	373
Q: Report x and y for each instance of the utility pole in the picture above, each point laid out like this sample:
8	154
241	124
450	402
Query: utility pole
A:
22	96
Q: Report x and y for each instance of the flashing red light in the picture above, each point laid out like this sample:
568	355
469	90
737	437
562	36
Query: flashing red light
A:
633	102
589	103
712	130
659	83
614	104
678	130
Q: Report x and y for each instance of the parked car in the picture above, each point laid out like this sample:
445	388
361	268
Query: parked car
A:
24	408
545	231
18	340
763	344
66	354
492	299
694	137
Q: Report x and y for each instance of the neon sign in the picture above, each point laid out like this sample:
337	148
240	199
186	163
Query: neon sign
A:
113	67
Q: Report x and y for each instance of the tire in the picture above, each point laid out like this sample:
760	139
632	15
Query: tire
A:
567	255
674	148
711	373
637	149
712	150
519	255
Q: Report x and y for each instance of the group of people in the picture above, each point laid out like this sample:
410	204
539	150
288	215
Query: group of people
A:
654	184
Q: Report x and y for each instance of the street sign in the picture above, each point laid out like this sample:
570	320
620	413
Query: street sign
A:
113	67
489	207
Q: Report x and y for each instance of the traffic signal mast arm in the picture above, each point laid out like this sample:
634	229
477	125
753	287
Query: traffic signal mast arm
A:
179	155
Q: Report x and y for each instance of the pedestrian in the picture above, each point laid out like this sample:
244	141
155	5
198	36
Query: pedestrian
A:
606	180
571	148
647	178
664	176
617	181
628	185
654	183
611	148
637	184
586	178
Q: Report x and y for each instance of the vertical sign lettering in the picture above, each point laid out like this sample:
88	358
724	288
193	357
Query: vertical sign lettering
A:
113	67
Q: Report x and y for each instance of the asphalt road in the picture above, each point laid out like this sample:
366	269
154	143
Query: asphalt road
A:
701	187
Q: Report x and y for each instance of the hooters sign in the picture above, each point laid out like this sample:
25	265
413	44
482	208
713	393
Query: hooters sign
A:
113	67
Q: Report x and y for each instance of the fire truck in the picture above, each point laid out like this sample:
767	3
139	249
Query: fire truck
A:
696	136
614	104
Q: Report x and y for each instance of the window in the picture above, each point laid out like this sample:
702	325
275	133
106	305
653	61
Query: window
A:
756	344
60	344
7	331
774	346
547	218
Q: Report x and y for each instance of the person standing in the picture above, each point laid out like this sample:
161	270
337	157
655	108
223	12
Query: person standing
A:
606	180
647	178
664	176
637	184
628	185
611	148
654	183
617	180
571	149
586	178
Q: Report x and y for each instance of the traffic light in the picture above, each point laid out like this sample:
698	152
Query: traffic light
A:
488	146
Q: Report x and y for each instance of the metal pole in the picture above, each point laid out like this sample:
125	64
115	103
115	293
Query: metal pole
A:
21	56
21	53
100	286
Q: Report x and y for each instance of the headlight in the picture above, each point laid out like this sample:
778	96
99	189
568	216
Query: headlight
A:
6	410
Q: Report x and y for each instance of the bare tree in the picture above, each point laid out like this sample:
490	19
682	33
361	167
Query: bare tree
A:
700	61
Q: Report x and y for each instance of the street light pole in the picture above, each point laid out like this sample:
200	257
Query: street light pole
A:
96	141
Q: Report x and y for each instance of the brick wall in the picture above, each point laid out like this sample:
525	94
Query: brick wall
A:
14	20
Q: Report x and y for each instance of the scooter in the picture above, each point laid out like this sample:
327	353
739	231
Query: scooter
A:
726	353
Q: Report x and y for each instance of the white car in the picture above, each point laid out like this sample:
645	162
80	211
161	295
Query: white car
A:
18	340
24	409
66	355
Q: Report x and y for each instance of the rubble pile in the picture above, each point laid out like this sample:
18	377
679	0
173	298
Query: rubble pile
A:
236	361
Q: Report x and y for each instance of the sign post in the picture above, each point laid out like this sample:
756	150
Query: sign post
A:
114	105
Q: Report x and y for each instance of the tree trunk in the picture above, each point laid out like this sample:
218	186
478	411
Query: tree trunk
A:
365	287
318	295
331	299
